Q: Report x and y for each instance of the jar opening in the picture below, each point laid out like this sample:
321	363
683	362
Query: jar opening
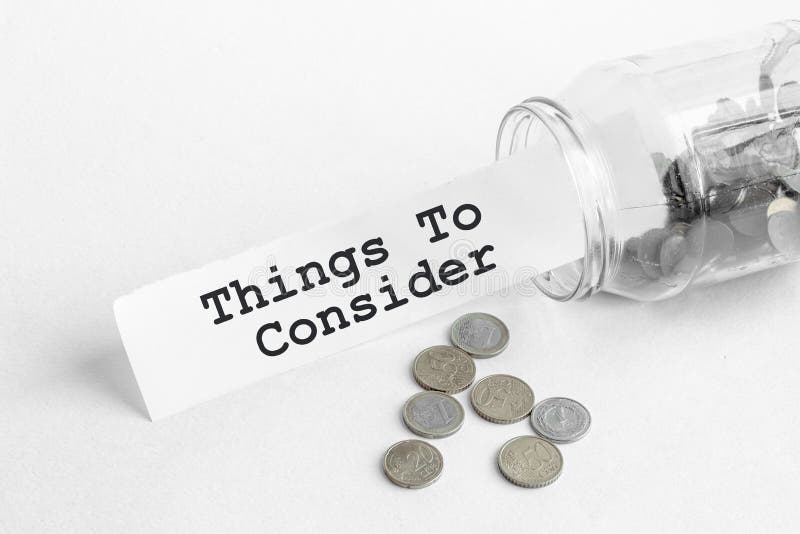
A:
543	123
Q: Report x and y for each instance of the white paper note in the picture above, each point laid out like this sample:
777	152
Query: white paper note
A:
180	357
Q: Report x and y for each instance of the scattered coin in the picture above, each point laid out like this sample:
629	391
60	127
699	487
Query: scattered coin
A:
530	462
561	420
480	334
502	399
444	368
431	414
413	464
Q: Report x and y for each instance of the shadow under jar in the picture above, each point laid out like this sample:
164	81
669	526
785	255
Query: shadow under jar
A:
685	161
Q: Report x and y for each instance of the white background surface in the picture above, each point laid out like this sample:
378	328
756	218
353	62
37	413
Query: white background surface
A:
143	139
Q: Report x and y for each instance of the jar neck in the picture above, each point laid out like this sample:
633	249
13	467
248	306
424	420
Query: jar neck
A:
591	178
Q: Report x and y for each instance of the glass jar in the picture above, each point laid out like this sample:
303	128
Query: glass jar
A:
685	161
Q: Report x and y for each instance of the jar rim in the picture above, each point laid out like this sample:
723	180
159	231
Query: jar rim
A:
583	277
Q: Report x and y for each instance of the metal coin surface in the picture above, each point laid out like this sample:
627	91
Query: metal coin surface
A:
480	334
781	204
530	462
722	198
444	368
750	219
648	253
714	238
431	414
784	232
413	464
502	399
672	251
561	420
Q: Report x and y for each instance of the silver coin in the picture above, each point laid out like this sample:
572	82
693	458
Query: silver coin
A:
502	399
631	246
648	253
630	271
722	198
431	414
561	420
480	334
413	464
444	368
673	249
781	204
783	226
750	218
714	238
530	462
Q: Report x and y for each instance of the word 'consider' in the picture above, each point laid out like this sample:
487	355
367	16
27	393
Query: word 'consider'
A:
346	265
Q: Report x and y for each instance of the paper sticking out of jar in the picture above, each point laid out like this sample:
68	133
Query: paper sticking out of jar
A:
207	331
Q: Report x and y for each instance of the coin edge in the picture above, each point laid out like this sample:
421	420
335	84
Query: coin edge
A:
406	486
482	355
521	484
558	441
502	421
433	436
421	384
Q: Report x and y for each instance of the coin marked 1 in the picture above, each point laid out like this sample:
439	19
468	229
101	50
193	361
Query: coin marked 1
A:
561	420
432	414
480	335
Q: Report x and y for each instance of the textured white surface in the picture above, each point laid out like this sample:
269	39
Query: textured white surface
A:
145	139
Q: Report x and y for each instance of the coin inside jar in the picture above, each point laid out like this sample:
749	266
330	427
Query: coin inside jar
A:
673	250
648	252
431	414
502	399
530	462
783	226
561	420
715	239
444	368
750	219
480	334
413	464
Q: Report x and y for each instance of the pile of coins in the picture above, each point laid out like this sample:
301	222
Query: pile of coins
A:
443	370
728	204
747	162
